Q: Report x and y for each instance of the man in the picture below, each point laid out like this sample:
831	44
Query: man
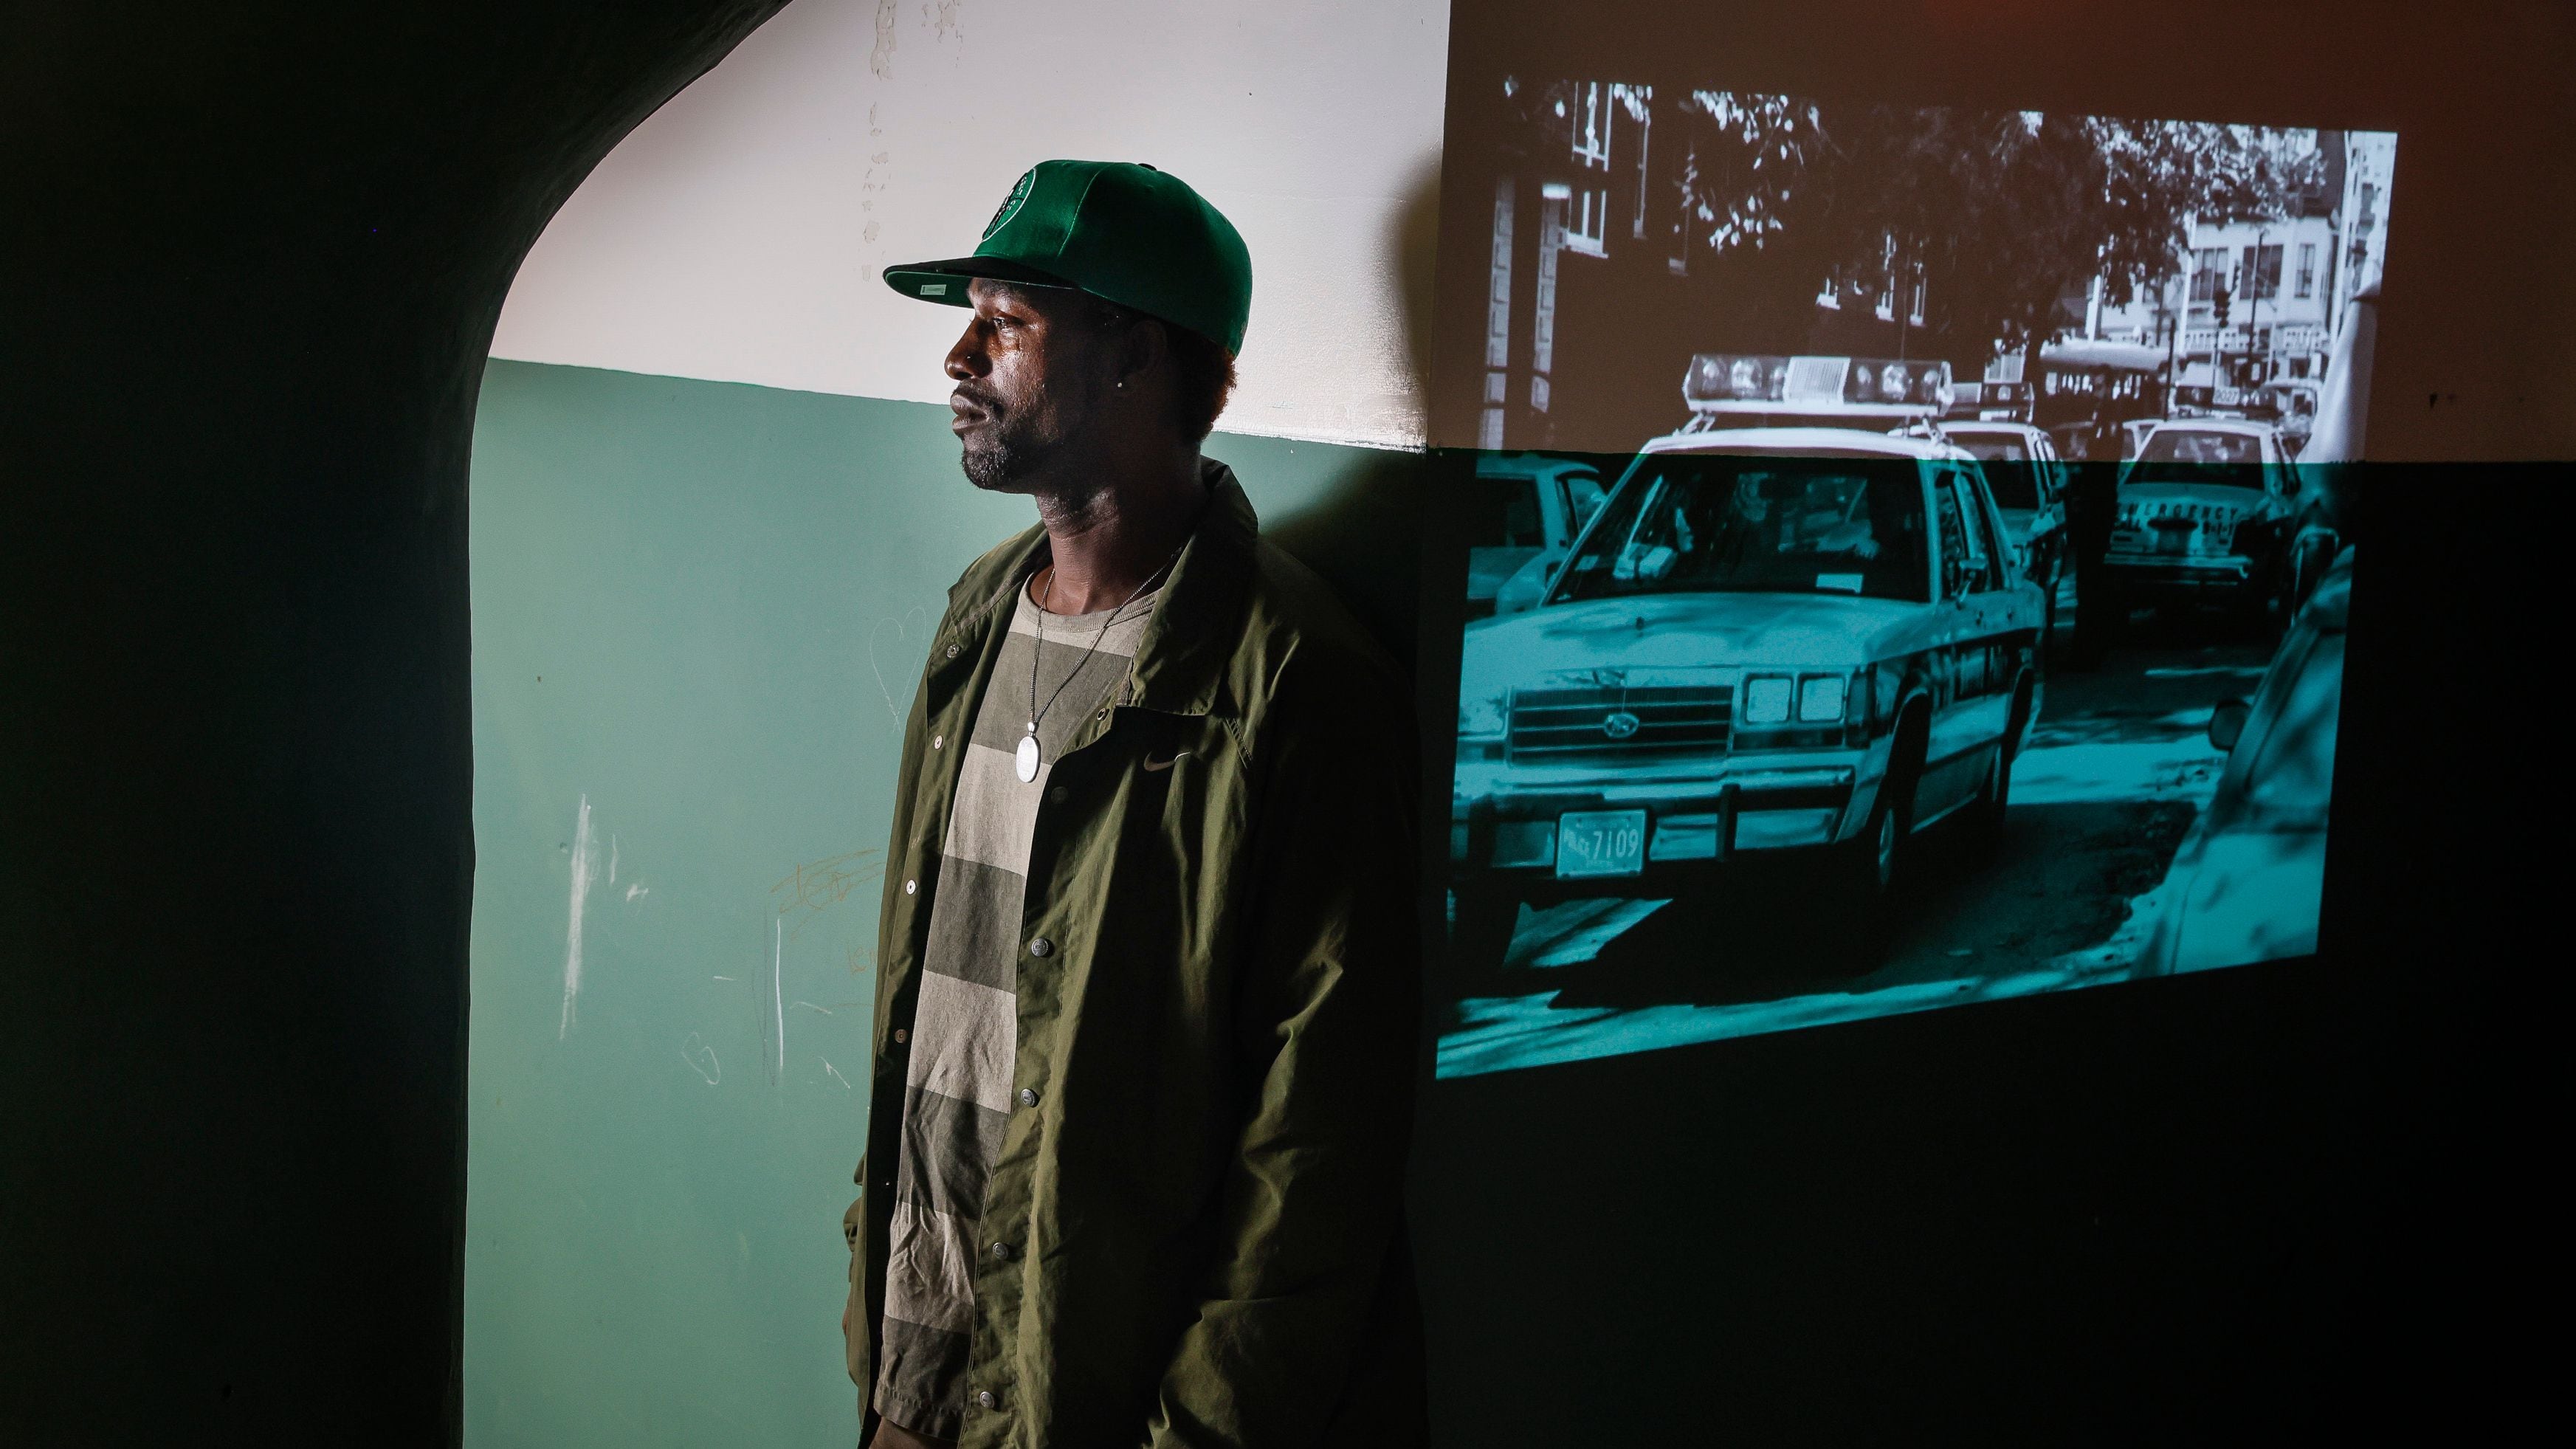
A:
2092	512
1146	979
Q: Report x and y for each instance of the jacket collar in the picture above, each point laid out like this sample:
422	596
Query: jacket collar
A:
1181	659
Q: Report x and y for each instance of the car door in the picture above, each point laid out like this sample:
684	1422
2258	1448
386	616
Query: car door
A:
2048	536
1568	499
1507	527
1571	496
1969	717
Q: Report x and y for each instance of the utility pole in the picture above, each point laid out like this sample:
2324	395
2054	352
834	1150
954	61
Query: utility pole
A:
2172	323
2254	289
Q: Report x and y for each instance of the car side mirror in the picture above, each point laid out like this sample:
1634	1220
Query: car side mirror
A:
2227	722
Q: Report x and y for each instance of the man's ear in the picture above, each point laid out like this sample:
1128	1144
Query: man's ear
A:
1141	350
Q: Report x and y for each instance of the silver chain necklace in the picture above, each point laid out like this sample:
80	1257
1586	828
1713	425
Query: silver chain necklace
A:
1025	763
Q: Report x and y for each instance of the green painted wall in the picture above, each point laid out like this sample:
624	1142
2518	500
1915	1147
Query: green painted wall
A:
699	610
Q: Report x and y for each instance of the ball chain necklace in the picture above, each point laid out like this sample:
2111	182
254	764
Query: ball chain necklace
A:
1025	764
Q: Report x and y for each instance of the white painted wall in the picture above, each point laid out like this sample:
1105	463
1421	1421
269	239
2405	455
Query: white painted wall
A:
738	233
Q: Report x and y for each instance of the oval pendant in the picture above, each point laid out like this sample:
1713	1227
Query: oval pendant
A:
1028	758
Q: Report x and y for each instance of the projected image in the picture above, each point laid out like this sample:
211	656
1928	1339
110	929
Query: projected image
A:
1907	560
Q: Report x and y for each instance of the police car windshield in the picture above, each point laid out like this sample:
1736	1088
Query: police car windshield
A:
2200	445
2010	475
1713	523
2209	457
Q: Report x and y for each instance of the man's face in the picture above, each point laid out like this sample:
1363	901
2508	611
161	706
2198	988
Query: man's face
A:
1029	372
1749	501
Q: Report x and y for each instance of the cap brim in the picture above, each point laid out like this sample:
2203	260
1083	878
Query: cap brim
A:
946	281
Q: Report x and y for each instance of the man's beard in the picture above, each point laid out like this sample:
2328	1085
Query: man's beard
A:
1013	456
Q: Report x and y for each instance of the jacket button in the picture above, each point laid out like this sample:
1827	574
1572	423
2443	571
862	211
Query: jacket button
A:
1002	1251
1028	1096
910	886
901	1036
952	651
937	740
986	1399
1041	947
1058	794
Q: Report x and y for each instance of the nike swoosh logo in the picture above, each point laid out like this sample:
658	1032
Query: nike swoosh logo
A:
1152	764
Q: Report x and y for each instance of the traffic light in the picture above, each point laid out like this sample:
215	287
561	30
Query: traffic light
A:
2218	300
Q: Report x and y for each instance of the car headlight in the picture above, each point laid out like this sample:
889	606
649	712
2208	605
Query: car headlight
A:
1766	700
1821	698
1482	719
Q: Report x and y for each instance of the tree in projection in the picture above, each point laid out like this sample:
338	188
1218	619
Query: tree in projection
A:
1994	216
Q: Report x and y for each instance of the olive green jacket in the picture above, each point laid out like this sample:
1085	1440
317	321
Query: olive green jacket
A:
1200	1219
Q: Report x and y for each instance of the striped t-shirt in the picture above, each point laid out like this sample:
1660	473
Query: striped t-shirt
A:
965	1032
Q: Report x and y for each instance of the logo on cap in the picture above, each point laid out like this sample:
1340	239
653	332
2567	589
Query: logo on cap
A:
1011	203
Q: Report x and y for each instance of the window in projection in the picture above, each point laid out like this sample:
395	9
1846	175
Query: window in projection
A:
1913	557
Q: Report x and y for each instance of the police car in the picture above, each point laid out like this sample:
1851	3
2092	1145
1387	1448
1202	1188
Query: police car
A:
2028	481
2206	512
1774	638
1528	507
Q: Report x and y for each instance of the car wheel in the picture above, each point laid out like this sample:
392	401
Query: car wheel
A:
1865	870
1985	815
1481	937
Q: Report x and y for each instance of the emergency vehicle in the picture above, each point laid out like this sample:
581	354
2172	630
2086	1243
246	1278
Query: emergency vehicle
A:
1785	630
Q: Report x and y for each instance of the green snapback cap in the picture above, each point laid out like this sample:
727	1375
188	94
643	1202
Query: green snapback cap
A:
1123	232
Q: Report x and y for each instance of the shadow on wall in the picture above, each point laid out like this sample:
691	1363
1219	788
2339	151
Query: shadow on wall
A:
1362	526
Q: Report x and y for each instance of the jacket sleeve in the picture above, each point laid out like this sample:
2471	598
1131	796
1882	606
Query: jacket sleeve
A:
1326	1008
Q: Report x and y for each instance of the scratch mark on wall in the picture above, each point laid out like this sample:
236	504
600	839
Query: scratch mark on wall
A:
902	628
612	857
572	930
881	59
819	885
694	1046
946	25
836	1075
827	1011
726	978
777	991
636	890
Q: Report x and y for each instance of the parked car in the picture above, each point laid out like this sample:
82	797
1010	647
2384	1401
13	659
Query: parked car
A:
1768	639
2248	880
2028	481
2206	510
2133	435
1527	508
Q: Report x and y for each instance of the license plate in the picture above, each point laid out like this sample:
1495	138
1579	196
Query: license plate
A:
1601	842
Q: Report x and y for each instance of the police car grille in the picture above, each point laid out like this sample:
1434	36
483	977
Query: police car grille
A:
1566	724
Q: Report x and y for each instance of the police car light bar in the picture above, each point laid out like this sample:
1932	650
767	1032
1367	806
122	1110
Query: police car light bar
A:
1746	382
